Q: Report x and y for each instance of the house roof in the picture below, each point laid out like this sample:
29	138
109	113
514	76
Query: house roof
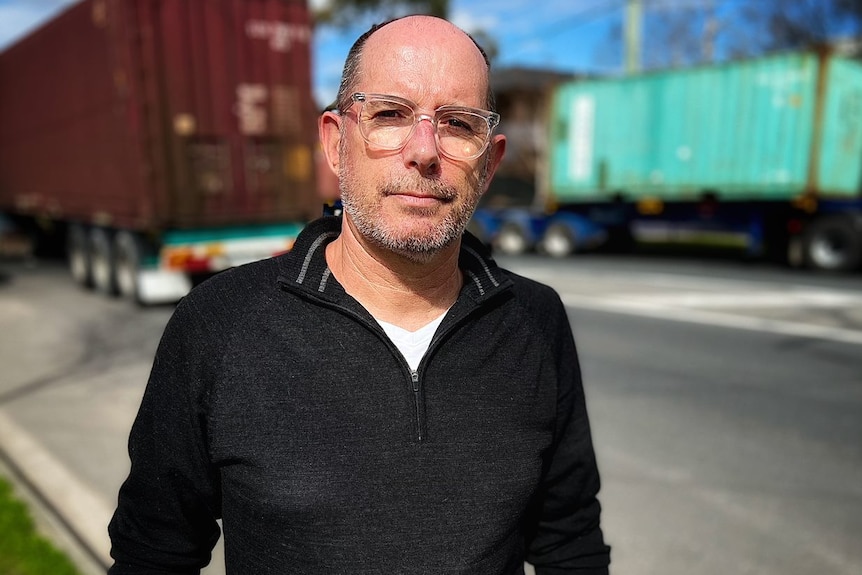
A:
527	79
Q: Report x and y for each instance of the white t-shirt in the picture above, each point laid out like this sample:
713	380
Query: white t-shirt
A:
412	344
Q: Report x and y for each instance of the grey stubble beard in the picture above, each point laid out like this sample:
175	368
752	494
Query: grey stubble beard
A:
418	249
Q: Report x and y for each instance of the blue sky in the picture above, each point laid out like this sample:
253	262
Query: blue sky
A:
564	35
560	35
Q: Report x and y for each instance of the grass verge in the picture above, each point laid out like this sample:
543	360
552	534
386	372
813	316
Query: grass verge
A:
23	551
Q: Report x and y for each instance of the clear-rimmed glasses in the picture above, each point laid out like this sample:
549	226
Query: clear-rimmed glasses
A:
387	122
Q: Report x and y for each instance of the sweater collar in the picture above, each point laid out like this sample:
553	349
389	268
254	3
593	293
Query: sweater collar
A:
304	268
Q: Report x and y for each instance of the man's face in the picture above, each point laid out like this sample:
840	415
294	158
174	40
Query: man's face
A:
410	213
414	201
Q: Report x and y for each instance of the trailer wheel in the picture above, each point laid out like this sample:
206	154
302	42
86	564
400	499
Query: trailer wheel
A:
128	252
833	244
104	273
79	255
558	241
511	240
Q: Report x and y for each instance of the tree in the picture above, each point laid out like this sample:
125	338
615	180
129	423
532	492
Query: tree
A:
688	32
797	24
341	13
674	33
344	12
487	42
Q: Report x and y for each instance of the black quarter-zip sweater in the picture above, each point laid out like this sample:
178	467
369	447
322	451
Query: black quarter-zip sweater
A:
278	404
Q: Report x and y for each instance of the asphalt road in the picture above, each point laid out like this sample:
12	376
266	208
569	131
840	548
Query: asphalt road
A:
725	399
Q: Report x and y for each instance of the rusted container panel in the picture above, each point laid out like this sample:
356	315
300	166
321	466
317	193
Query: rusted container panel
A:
62	138
149	114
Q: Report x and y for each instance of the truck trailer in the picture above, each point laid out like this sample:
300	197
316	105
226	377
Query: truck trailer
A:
764	155
160	141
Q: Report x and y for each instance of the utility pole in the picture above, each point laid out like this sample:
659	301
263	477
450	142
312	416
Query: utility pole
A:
633	26
710	30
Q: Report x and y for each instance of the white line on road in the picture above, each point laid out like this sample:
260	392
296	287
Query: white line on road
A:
664	311
725	502
676	282
765	299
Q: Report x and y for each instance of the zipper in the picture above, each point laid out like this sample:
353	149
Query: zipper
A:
414	373
414	378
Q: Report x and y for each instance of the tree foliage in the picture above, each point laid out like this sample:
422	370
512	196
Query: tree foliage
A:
810	21
345	12
801	23
688	32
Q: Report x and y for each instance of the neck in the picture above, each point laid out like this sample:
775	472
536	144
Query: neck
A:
391	287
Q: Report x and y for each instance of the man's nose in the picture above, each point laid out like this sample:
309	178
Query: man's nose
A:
421	149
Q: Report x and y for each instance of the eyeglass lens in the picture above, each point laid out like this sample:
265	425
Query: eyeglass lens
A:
388	124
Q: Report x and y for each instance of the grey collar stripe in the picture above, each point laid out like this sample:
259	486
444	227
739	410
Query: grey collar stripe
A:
326	273
320	239
485	267
476	281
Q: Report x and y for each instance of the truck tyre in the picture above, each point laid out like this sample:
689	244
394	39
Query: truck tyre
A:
103	271
79	255
511	240
128	251
558	241
833	244
620	240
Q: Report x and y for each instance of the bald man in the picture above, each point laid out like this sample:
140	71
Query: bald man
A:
384	398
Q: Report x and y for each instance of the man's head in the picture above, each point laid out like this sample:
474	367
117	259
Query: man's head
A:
409	186
350	74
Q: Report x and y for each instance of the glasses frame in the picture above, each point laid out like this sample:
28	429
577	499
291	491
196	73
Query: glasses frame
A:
492	119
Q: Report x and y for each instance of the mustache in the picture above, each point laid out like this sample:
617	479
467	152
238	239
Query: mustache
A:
423	186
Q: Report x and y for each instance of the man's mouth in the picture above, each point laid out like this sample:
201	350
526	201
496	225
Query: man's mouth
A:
424	193
420	200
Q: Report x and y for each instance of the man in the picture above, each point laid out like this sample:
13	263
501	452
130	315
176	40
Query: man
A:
384	398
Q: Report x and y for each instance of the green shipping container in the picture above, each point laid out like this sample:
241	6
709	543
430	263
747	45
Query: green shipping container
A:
765	129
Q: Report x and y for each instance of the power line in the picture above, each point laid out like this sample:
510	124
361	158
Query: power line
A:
583	17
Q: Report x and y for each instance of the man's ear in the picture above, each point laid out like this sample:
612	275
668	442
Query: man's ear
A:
329	130
496	150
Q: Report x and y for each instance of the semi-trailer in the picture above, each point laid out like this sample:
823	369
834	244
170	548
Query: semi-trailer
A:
160	141
762	154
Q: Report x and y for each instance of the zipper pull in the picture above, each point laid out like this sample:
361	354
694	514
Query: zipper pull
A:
414	377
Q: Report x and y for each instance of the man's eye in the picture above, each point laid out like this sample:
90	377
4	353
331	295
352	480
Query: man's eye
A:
389	115
457	123
462	124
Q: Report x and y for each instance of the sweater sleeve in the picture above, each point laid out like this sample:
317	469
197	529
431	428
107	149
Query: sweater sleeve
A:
564	535
165	521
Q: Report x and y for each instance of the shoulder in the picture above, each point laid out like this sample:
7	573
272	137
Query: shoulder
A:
534	294
233	293
233	283
539	305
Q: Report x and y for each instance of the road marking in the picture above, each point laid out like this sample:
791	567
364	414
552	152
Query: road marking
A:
662	309
790	299
725	502
713	294
77	504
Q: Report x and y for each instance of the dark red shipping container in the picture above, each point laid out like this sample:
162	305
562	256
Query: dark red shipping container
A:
155	114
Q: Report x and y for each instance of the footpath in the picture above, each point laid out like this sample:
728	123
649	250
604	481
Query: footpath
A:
72	371
68	510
